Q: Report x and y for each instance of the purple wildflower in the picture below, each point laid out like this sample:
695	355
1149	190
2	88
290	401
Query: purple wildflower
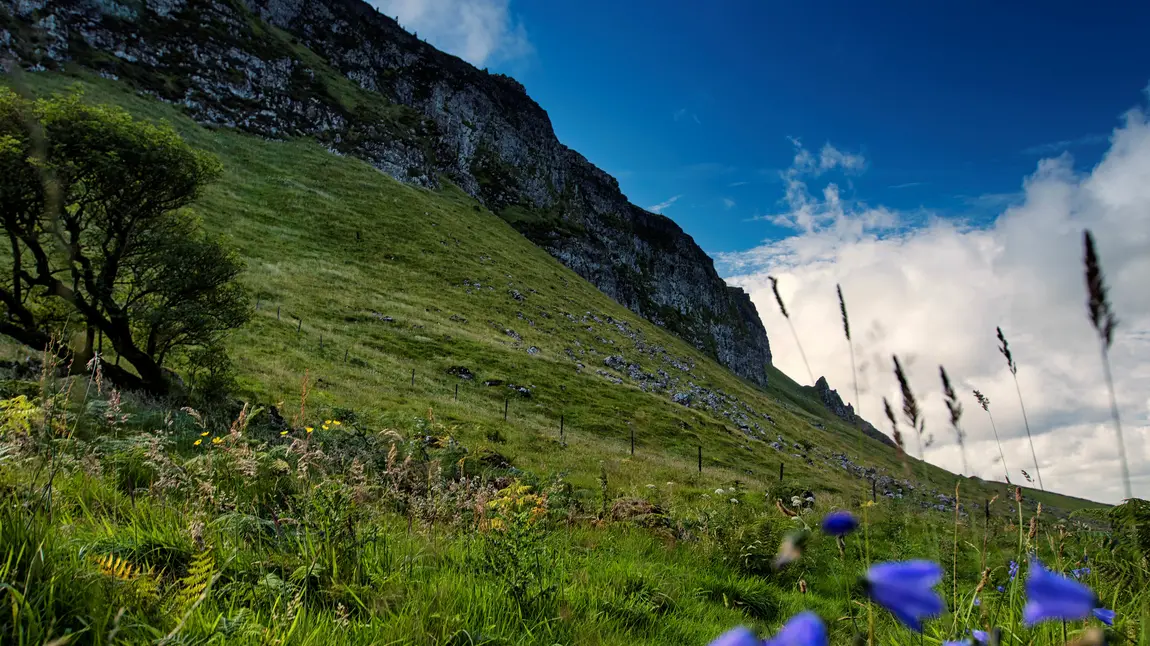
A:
905	589
1052	596
804	629
839	523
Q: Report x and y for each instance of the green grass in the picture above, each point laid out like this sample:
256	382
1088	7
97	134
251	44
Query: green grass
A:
335	244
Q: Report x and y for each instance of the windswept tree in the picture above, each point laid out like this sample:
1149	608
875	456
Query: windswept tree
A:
100	243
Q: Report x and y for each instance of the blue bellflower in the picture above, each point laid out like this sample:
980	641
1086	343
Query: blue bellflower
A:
1105	615
1051	596
839	523
737	637
804	629
904	588
1013	569
981	636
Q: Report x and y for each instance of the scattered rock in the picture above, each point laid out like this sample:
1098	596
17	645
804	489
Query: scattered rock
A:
461	371
493	460
638	510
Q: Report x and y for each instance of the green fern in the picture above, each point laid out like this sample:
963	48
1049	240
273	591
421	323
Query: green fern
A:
200	575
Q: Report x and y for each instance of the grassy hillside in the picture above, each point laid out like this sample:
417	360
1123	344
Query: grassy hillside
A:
363	282
336	244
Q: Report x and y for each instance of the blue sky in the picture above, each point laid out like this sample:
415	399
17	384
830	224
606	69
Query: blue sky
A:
948	102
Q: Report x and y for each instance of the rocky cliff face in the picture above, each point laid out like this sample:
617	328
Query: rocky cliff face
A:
340	72
830	398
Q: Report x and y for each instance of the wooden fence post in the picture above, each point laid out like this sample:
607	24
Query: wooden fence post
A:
780	471
700	458
632	441
506	401
456	392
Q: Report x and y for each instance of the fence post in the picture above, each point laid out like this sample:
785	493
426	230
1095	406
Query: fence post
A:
456	392
413	376
345	355
506	401
299	327
277	312
560	427
700	458
780	471
321	342
258	302
632	441
873	490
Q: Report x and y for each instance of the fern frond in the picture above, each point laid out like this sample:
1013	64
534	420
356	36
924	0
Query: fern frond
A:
200	575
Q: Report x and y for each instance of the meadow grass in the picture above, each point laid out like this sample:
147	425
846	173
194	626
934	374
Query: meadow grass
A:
419	519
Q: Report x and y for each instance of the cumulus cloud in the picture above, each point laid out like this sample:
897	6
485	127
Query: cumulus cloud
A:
658	208
933	293
478	31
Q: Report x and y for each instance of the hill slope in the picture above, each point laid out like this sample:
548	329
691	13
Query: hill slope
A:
363	282
339	71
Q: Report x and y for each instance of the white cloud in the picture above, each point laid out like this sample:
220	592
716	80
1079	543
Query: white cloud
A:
933	294
658	208
728	203
478	31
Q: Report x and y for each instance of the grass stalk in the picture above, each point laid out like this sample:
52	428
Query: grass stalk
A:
985	403
955	409
783	309
1004	348
1103	319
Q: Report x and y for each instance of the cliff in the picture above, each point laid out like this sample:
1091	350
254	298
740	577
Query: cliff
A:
352	78
830	398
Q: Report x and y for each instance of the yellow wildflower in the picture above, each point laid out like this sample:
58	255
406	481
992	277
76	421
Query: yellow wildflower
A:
336	422
309	429
325	427
217	440
327	421
197	442
205	434
282	433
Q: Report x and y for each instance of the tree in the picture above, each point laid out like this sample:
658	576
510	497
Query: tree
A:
92	202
